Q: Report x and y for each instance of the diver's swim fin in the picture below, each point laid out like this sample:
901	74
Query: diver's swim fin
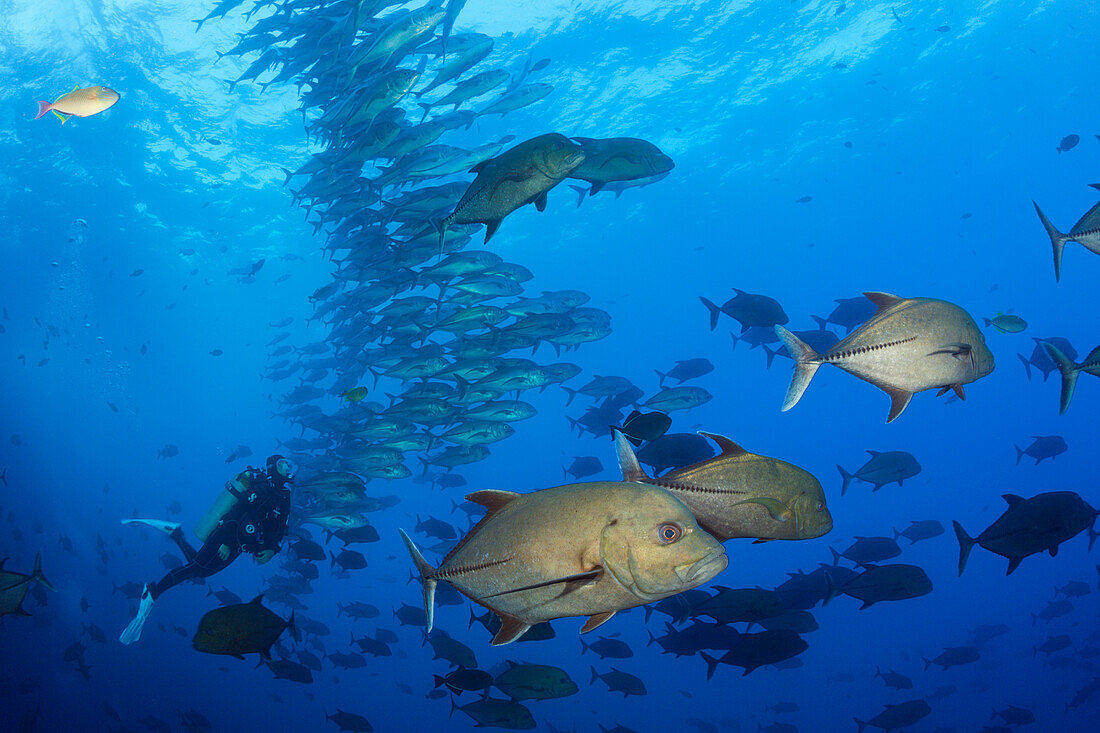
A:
161	524
133	632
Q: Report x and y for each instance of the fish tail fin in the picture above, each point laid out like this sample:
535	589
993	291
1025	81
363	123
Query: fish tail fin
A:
836	556
426	571
584	647
771	355
715	311
1093	534
845	477
426	107
927	663
712	663
293	628
43	108
966	543
1057	241
1027	365
1019	454
861	723
1069	374
572	393
988	322
37	575
595	676
804	366
660	379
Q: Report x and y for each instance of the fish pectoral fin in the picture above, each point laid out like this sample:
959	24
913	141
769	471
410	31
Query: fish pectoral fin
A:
596	620
779	511
511	628
957	350
576	580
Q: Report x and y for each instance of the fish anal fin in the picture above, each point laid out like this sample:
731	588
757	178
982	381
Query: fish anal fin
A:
492	499
491	229
596	188
1013	563
596	620
729	448
882	300
540	201
899	400
511	628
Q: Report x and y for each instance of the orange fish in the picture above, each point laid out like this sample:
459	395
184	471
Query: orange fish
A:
80	102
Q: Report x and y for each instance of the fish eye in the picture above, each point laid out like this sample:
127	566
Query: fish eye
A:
821	506
669	533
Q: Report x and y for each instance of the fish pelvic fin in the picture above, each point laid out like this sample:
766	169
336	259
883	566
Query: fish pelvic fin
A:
1057	241
966	543
805	366
628	462
1069	372
426	571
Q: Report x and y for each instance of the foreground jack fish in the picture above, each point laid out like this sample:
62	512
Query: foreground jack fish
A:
577	550
519	176
1085	232
80	102
908	346
738	494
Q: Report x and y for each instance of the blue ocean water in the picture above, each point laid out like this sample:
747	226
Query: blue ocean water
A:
822	149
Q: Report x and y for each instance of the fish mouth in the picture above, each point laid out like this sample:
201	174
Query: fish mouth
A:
704	569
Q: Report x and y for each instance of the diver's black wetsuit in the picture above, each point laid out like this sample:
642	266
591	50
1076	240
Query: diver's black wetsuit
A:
256	523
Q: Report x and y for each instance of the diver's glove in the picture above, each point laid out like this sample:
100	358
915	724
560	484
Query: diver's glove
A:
264	556
223	552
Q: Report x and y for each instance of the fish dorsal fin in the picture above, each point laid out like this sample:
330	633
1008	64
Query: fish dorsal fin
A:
596	620
729	448
1012	499
511	628
256	601
480	166
628	462
492	499
874	453
1095	185
882	300
899	400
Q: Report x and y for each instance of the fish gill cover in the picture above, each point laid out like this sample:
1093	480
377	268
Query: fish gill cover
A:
331	285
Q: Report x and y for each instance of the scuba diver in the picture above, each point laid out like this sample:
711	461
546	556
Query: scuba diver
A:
249	516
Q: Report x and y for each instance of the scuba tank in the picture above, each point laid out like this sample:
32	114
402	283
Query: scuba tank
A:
231	494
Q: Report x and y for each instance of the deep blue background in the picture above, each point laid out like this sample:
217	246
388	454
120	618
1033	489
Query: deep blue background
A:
952	135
